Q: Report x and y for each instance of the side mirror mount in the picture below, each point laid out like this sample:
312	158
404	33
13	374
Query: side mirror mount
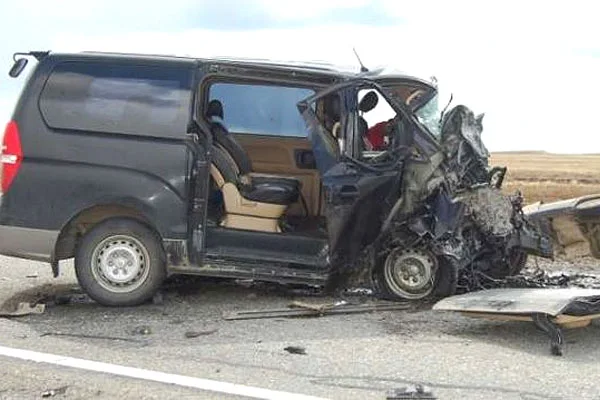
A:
18	67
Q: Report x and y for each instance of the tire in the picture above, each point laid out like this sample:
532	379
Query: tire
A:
120	262
444	283
446	277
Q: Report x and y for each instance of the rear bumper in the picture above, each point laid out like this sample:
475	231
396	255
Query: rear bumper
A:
32	244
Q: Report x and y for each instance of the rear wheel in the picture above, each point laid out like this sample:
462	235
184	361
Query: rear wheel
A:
120	262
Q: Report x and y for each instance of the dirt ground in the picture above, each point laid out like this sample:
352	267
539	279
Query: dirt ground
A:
548	177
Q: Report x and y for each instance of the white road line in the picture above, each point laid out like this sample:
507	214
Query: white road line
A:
155	376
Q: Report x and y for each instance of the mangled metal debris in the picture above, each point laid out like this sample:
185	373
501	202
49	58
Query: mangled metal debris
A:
455	220
549	309
23	309
538	278
88	336
411	392
573	225
53	392
295	350
417	215
314	310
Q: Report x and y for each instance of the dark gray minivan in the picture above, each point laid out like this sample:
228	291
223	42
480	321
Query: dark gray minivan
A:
144	166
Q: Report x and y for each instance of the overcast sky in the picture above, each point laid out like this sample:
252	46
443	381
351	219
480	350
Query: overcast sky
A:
532	66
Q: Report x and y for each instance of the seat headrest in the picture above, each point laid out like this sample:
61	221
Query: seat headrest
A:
368	102
214	109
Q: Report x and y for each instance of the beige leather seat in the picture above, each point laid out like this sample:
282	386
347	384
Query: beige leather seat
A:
252	201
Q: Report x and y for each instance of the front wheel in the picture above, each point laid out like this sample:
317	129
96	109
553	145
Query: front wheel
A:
120	262
415	274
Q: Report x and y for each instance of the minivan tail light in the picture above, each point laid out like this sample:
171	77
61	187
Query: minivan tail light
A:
11	156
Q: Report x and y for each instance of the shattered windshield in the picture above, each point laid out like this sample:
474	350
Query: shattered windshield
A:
430	115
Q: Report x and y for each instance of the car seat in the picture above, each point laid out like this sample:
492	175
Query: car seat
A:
252	201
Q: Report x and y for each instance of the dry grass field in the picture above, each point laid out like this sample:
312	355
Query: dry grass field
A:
549	177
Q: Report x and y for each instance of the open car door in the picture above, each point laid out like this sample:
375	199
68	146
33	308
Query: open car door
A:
361	181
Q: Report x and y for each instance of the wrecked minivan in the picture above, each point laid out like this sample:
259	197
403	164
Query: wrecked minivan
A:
139	167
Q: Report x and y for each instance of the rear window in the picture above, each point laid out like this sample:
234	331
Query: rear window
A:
135	100
261	109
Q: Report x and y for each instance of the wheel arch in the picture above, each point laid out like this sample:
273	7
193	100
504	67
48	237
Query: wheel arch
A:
72	231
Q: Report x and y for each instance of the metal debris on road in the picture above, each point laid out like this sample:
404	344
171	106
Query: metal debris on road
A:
31	276
411	392
319	308
141	330
549	309
195	334
86	336
314	310
54	392
23	309
296	350
536	278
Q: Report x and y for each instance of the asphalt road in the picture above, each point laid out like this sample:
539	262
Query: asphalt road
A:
347	357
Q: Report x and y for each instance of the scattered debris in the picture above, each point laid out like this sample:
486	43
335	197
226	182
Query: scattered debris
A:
549	309
296	350
48	295
543	322
319	308
23	309
195	334
141	330
54	392
411	392
543	279
572	224
359	292
535	278
315	310
86	336
75	298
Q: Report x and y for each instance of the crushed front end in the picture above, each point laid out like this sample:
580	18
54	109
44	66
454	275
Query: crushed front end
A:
451	210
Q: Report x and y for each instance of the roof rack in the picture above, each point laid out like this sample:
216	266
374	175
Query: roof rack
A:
320	65
116	53
315	65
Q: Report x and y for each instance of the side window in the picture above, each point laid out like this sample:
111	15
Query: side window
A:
261	109
380	128
126	99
